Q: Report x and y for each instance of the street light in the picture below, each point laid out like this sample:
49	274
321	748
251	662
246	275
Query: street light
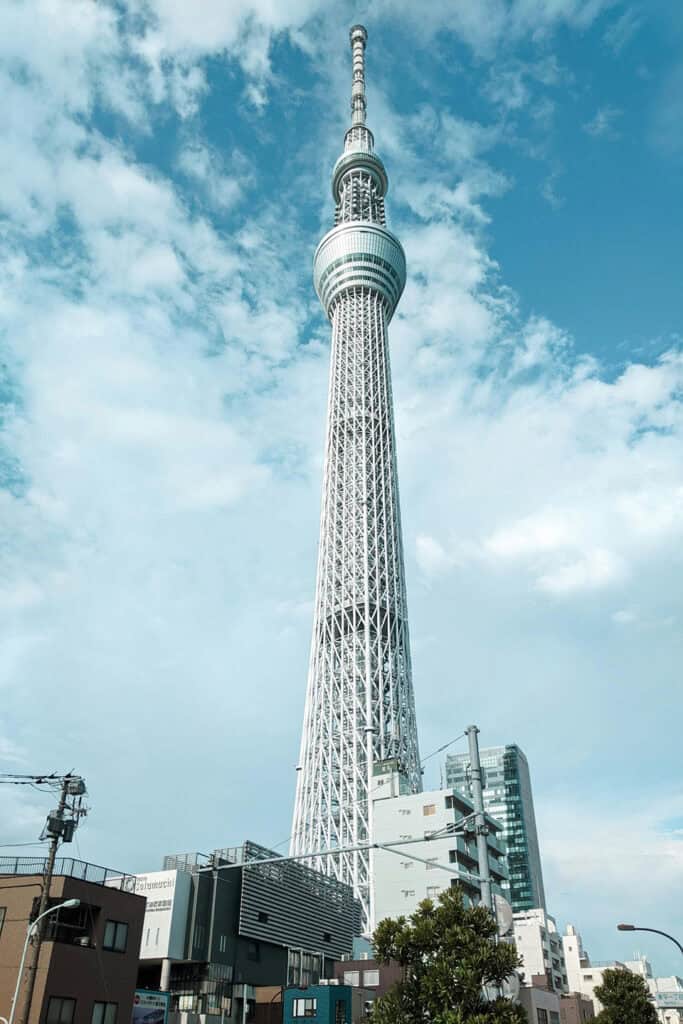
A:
30	932
637	928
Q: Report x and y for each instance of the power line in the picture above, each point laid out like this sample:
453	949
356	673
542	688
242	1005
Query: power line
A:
11	846
438	751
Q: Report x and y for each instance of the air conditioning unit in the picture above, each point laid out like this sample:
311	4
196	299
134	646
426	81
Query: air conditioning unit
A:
83	940
365	956
323	981
333	981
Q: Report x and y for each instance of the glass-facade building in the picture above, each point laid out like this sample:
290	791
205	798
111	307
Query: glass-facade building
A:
507	796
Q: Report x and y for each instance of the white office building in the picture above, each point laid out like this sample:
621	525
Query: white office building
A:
583	975
403	877
540	947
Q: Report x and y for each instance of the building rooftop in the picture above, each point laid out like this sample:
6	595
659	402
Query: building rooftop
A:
71	868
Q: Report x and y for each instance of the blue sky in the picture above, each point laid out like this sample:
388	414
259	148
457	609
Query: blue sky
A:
164	179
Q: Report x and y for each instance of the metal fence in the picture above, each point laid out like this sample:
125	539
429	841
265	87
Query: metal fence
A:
70	867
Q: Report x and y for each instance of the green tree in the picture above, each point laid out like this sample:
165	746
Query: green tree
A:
448	953
625	998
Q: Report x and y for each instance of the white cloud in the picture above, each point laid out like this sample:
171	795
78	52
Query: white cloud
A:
622	30
206	166
431	556
602	861
603	124
625	616
598	568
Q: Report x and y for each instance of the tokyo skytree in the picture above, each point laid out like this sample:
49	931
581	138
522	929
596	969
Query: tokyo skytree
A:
359	703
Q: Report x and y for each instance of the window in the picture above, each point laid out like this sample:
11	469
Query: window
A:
253	951
223	944
370	979
352	978
554	1017
60	1011
429	809
263	917
542	1015
3	911
339	1012
432	891
304	1007
432	864
104	1013
327	937
115	936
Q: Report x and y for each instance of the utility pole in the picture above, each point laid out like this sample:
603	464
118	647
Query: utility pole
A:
479	819
59	827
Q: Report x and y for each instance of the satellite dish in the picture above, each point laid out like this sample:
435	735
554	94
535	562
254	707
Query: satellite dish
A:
511	987
503	912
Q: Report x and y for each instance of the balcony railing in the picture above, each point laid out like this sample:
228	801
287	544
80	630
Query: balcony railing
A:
71	868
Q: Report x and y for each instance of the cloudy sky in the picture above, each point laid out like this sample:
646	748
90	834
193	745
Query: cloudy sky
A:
164	178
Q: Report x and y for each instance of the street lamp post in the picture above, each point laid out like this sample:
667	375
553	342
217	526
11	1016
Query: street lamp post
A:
30	932
656	931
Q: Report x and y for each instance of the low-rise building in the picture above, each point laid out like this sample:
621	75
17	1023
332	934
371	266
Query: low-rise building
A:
667	993
540	1005
540	947
440	857
575	1008
668	996
218	926
327	1003
88	962
584	975
368	974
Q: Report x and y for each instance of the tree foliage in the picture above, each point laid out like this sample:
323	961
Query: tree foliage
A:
625	998
448	953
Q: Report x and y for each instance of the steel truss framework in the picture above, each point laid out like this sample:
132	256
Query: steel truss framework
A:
359	703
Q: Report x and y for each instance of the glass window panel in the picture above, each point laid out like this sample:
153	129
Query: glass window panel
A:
60	1011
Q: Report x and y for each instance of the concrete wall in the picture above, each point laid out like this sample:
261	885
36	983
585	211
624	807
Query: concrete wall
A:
575	1009
540	946
402	883
534	999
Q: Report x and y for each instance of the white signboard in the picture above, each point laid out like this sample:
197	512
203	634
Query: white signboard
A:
168	900
150	1007
669	1000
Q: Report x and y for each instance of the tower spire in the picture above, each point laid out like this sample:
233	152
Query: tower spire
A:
359	38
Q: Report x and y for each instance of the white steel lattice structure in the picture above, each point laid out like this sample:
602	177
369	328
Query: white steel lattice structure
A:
359	702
